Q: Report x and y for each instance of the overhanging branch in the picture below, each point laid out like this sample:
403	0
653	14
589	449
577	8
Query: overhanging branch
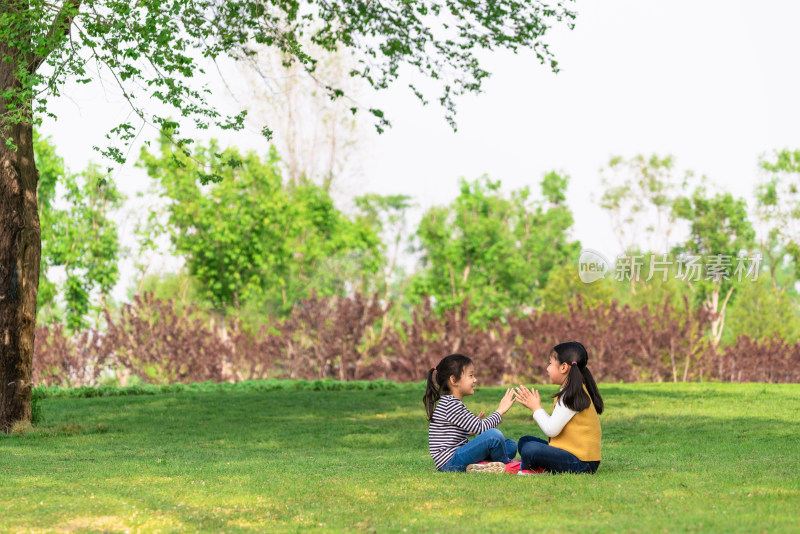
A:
59	31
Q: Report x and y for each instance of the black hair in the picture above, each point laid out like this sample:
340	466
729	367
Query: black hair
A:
572	393
452	365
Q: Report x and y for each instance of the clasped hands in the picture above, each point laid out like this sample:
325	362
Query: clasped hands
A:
527	397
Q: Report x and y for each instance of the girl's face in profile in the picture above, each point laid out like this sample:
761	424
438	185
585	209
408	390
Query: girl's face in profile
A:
556	370
465	385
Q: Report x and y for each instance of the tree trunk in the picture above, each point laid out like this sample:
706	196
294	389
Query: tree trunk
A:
20	253
718	323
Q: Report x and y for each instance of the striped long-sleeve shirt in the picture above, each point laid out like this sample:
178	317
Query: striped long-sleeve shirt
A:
451	424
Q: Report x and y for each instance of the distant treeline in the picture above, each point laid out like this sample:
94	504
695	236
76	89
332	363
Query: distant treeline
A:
279	281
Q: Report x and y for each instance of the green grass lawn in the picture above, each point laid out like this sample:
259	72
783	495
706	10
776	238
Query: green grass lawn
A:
696	457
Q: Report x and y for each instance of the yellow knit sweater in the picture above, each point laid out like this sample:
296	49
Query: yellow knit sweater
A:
581	435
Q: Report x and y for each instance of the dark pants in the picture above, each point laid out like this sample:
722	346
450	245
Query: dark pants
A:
489	446
536	452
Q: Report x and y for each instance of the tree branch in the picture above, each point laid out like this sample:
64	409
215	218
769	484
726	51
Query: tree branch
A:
59	31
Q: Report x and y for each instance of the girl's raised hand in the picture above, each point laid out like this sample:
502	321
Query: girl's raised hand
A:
506	401
529	398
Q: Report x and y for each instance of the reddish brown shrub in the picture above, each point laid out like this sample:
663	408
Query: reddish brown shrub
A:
354	338
750	360
65	360
412	349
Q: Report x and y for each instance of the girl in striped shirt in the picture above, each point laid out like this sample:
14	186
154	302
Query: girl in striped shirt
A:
450	421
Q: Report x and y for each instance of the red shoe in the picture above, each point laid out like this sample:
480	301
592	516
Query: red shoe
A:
513	467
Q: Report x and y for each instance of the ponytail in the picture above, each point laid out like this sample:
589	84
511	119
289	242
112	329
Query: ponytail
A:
591	387
452	365
572	394
432	394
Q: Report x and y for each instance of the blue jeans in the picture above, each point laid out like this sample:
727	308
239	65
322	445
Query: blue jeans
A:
488	446
536	452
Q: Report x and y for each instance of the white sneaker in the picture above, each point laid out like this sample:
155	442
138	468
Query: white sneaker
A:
487	467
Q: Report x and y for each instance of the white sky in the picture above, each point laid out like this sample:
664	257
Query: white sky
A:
715	84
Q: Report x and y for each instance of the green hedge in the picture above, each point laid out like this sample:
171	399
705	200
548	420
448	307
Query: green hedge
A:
270	384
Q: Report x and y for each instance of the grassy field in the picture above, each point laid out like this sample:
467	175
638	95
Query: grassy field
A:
676	458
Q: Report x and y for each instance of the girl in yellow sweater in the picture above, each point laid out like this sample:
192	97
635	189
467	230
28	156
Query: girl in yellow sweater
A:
574	426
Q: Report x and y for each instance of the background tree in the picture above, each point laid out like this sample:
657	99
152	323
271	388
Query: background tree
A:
778	211
761	312
720	233
660	278
180	287
388	214
152	50
564	286
251	238
317	137
638	197
80	237
51	171
495	249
